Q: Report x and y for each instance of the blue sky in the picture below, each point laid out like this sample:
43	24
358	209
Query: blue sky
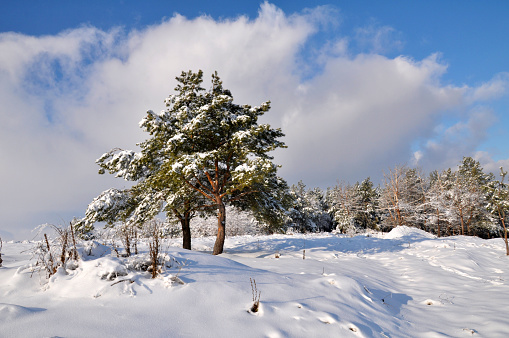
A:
466	33
357	86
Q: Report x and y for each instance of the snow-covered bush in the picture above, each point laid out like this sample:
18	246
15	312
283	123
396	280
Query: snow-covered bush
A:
93	249
154	244
310	210
55	252
238	223
120	235
110	268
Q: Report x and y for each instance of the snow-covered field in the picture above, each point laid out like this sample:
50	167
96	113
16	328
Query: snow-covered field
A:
402	284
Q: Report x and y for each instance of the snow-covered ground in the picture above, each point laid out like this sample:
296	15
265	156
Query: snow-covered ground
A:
406	283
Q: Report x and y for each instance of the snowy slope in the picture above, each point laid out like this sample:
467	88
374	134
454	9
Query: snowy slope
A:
403	284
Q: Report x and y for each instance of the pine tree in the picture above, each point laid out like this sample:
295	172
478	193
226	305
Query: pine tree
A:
299	209
269	203
310	210
319	209
135	206
413	196
498	202
366	204
204	151
436	201
342	205
467	194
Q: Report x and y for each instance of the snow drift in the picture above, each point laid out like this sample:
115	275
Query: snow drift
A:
406	283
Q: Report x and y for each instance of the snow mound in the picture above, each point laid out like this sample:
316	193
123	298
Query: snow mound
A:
10	312
110	268
409	285
408	233
95	249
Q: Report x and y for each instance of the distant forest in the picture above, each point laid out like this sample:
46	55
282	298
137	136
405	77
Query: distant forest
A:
466	201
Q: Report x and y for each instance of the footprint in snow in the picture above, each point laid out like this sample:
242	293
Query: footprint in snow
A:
352	328
429	302
327	319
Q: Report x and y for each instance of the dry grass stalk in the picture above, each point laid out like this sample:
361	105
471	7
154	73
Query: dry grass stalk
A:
154	247
50	266
74	252
256	296
56	252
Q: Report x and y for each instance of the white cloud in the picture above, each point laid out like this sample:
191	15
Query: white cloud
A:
490	165
378	39
66	99
448	147
490	90
361	115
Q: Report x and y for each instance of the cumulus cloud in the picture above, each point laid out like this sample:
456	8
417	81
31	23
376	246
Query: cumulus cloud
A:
378	39
68	98
450	143
490	90
361	115
489	164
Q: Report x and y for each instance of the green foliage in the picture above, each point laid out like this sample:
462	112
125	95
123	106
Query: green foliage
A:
498	202
210	143
203	151
269	204
366	196
498	195
466	193
309	209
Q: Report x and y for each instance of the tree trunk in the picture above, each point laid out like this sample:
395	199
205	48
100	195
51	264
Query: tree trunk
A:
462	223
186	232
127	243
502	218
470	221
400	219
221	233
505	239
438	222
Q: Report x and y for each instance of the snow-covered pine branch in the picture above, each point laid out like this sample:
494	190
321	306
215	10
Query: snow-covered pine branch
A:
203	151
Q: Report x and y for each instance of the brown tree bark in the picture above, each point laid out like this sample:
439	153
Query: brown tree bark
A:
221	225
185	222
438	222
501	215
461	222
127	242
392	183
186	232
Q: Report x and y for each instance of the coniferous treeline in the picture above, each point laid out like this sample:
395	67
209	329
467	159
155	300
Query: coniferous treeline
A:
205	153
465	201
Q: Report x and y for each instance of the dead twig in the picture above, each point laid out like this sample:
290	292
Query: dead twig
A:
123	280
74	253
51	266
256	296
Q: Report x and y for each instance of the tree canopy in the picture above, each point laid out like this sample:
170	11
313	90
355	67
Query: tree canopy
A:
204	151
